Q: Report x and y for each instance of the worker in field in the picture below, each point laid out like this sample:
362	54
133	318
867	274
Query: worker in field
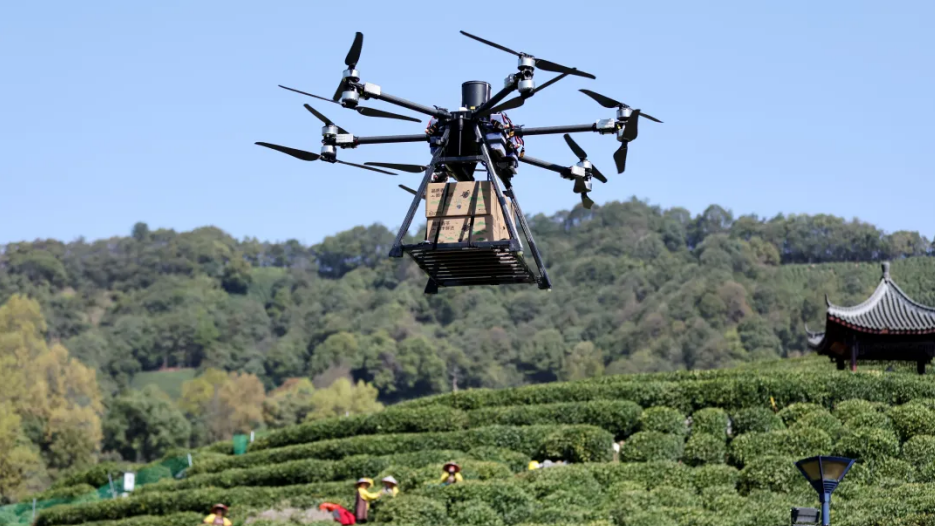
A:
390	487
364	498
451	474
218	516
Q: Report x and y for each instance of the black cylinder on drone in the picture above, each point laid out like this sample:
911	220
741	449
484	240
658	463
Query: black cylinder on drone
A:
474	93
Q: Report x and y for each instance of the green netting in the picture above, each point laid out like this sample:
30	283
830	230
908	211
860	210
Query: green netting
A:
22	513
240	444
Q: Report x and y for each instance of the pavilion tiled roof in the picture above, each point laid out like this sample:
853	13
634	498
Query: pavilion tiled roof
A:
887	311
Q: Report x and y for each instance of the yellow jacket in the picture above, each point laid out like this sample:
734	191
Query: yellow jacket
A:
211	518
391	492
445	476
367	496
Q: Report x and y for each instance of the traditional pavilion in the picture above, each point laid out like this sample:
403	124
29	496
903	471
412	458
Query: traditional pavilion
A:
888	326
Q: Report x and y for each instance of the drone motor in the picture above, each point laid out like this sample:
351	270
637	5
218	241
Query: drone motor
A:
474	93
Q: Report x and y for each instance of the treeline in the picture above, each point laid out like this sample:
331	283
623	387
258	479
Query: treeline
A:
636	289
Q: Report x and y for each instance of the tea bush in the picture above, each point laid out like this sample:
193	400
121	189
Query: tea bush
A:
702	448
663	420
755	420
652	445
711	421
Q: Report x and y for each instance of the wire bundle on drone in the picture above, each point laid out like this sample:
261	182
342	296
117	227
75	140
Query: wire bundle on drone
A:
485	247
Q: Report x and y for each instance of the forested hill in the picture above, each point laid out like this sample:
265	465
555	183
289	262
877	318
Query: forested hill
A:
636	288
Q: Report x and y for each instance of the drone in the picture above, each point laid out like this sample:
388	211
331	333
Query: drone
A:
478	132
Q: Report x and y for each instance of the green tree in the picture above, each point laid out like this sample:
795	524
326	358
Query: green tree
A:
143	425
343	398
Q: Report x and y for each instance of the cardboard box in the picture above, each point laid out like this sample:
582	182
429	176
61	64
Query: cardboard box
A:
456	229
463	199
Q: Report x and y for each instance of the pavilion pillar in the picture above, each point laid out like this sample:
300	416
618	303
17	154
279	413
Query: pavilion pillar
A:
854	345
920	366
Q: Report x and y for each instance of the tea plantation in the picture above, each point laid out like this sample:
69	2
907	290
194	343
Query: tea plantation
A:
713	448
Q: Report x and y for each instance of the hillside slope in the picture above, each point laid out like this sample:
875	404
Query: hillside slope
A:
636	289
699	448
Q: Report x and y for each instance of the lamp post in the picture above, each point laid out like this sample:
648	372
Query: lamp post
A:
824	474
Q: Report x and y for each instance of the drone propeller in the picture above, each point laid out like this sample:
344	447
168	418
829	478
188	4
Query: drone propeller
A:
608	102
309	156
411	168
544	65
298	154
582	187
582	156
353	55
518	100
324	119
367	112
364	167
620	158
410	190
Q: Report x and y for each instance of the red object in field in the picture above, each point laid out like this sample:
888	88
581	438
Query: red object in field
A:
340	514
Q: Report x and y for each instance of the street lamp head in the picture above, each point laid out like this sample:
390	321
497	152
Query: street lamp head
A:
824	473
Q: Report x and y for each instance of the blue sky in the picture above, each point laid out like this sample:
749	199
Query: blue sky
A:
117	112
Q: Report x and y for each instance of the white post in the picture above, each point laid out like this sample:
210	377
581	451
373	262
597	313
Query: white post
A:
189	460
129	482
34	509
251	437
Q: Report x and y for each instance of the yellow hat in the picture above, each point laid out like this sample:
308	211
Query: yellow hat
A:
533	465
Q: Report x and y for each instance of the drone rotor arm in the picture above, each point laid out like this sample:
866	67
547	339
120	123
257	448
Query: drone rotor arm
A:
544	164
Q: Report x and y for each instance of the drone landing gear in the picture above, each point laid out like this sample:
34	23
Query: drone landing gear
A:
472	262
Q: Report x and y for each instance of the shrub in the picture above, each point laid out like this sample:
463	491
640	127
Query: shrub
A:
647	474
794	412
652	445
799	442
663	420
867	443
910	420
820	419
525	440
175	519
714	475
919	450
393	420
755	420
67	492
670	497
579	479
771	473
577	444
704	449
173	502
95	476
618	417
412	510
507	498
850	409
474	513
875	420
710	421
516	461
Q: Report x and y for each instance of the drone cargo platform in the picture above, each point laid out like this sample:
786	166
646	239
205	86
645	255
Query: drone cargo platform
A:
465	264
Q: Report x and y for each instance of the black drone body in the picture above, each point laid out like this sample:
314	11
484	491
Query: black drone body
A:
477	132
